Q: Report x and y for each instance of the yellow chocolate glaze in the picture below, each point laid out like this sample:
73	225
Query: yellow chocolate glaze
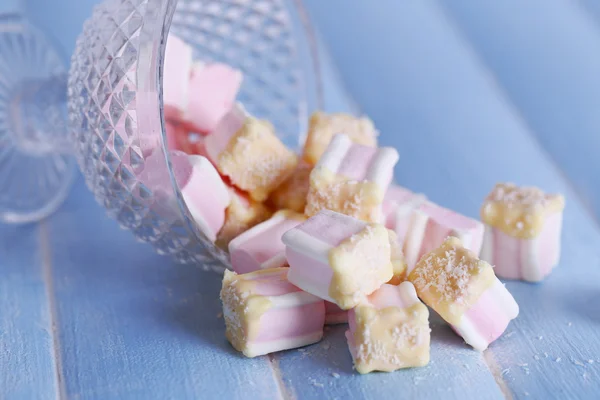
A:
450	279
241	215
519	212
391	338
292	193
256	160
360	264
322	128
243	307
358	199
398	262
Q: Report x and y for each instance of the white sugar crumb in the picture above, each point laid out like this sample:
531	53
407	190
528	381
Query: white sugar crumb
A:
545	354
540	337
326	345
404	336
335	375
519	225
510	195
315	383
577	362
558	359
417	380
569	324
590	361
506	371
509	334
536	357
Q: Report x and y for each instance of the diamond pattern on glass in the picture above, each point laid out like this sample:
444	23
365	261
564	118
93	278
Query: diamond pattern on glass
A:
255	36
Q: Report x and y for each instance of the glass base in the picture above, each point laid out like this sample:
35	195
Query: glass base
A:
36	168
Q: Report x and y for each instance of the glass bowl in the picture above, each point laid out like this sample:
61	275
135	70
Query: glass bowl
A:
115	103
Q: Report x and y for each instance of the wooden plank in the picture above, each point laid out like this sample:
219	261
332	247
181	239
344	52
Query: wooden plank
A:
27	361
545	55
433	99
134	325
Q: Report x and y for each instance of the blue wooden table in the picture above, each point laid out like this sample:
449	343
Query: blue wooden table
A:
471	93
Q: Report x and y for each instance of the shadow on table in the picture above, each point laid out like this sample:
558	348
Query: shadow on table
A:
193	305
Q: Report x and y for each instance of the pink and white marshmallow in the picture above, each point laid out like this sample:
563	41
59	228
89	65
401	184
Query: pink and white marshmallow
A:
265	313
225	131
398	206
176	77
351	179
338	258
389	331
322	127
242	214
212	91
522	231
195	176
464	291
248	152
430	224
261	247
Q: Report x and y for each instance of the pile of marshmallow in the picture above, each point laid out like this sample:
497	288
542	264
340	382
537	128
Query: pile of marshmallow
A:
325	237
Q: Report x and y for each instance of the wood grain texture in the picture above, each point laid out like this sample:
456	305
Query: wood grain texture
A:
546	57
27	358
131	324
134	325
458	133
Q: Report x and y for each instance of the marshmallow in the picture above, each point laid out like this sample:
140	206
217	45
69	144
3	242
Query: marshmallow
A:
292	193
261	247
334	315
389	331
431	224
351	179
397	258
178	138
264	313
522	231
176	73
242	214
247	151
338	258
398	206
464	291
174	132
212	92
323	127
196	177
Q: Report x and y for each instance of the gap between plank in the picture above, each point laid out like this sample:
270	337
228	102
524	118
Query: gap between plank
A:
488	357
49	285
284	393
